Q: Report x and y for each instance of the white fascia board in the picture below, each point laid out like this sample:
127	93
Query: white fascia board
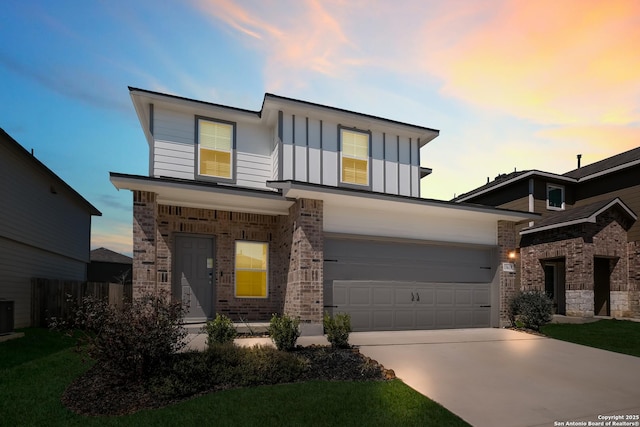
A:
216	198
518	178
608	171
591	218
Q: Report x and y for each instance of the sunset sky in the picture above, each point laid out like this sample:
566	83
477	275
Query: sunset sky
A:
509	84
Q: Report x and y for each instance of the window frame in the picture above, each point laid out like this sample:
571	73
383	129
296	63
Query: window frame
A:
235	270
343	183
232	161
562	196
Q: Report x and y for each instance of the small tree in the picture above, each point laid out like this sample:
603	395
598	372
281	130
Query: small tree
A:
530	309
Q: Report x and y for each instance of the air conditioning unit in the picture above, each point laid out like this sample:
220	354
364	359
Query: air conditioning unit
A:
6	317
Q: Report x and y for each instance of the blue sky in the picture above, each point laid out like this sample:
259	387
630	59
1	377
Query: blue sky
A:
510	84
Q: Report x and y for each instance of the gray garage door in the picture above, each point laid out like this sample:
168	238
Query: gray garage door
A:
395	286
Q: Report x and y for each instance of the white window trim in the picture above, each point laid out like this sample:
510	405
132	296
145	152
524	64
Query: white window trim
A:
562	190
235	269
231	152
368	135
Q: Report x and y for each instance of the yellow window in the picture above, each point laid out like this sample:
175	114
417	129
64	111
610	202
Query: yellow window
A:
355	157
216	143
251	269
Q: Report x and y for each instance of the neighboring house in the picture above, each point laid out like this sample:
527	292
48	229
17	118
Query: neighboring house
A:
303	208
585	249
45	227
109	266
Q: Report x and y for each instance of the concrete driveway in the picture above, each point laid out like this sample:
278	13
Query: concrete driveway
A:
500	377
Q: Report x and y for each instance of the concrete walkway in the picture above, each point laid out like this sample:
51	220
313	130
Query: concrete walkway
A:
501	377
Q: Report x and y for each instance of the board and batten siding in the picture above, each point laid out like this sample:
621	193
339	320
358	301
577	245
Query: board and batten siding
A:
174	151
311	153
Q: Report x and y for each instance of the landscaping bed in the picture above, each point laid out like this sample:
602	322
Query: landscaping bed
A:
101	392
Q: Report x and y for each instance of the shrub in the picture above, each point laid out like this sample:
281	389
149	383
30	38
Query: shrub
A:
220	330
530	309
337	329
284	331
133	341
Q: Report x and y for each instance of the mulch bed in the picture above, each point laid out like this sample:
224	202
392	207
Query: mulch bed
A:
98	393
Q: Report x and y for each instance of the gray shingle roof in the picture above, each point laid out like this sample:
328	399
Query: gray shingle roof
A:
603	165
107	255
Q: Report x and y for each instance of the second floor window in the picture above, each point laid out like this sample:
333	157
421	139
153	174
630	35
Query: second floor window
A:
215	148
555	197
354	157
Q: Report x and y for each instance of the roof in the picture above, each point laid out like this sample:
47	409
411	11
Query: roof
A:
622	159
578	215
272	98
6	139
608	165
107	255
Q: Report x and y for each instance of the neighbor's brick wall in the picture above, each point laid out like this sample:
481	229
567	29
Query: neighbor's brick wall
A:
634	278
579	245
304	228
506	244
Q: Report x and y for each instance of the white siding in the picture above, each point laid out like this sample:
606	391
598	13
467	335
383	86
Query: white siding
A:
314	165
275	161
377	175
391	177
404	182
330	173
301	163
175	126
287	147
415	181
173	160
253	170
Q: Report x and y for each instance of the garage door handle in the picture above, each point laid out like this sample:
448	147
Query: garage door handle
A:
412	296
418	296
485	306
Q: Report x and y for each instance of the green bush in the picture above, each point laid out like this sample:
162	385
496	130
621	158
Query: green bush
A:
530	309
133	341
284	331
337	329
219	330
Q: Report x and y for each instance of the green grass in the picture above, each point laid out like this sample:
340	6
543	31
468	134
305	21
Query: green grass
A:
35	370
620	336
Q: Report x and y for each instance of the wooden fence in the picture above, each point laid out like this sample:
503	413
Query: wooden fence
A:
57	298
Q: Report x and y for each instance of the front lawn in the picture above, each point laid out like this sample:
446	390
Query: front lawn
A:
36	369
621	336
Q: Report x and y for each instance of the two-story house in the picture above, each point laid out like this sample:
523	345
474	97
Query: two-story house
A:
45	228
301	208
584	251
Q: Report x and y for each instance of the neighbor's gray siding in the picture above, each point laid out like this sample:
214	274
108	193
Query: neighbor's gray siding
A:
19	263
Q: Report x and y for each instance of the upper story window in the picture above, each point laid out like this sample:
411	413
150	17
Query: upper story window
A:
354	157
555	197
215	148
251	269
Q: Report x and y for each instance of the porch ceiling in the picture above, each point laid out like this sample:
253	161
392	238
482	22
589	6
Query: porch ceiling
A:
205	195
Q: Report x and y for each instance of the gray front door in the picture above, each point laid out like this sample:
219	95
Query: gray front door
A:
194	278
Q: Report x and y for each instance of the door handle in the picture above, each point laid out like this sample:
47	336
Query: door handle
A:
412	296
417	293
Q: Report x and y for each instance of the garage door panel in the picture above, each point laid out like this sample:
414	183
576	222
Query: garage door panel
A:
445	319
464	297
482	317
481	296
464	318
425	319
444	297
382	320
404	319
382	296
426	296
359	296
360	320
403	296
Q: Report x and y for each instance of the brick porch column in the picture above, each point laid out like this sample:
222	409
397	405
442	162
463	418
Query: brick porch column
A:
506	244
145	229
304	294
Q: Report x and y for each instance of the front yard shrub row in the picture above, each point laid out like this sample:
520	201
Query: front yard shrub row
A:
530	309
